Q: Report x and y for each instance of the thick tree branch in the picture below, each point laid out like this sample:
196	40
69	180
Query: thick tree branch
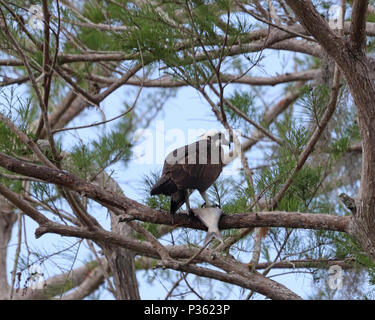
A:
56	286
18	202
93	280
314	23
358	25
144	213
166	82
255	281
308	263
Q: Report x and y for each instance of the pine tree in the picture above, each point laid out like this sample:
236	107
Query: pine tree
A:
301	202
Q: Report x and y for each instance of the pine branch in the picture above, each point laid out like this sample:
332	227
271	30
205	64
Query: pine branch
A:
166	82
314	23
91	282
144	213
254	281
314	138
308	263
18	202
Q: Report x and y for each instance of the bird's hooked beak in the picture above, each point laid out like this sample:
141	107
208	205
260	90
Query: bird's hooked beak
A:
224	141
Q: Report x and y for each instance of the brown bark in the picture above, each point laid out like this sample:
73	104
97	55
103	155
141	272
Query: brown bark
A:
7	221
120	260
253	281
136	210
119	245
351	57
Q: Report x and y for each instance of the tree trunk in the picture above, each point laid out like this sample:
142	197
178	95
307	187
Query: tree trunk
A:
121	263
120	260
350	55
362	87
7	220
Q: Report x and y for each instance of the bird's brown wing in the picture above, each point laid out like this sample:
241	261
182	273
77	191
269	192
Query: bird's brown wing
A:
189	167
166	184
196	171
175	166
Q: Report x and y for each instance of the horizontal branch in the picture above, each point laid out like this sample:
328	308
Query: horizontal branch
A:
141	212
247	278
355	148
307	264
256	35
148	263
253	219
16	200
58	284
166	82
11	62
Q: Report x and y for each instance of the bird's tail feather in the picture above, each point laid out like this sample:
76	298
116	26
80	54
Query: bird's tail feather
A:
177	200
163	186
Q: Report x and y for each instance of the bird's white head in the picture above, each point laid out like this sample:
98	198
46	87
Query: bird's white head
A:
217	137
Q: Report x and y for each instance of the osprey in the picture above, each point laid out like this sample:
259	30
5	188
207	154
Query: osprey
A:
193	167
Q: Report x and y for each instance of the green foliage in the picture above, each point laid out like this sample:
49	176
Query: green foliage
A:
339	146
86	160
223	190
8	140
238	197
282	163
44	191
14	185
243	100
345	247
294	135
315	100
20	113
150	227
236	205
160	202
151	34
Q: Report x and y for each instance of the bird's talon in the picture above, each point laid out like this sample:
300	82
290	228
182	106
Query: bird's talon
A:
215	205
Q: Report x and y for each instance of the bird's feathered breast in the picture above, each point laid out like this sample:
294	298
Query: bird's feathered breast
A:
194	166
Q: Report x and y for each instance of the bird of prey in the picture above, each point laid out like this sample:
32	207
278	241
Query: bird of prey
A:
210	217
193	167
